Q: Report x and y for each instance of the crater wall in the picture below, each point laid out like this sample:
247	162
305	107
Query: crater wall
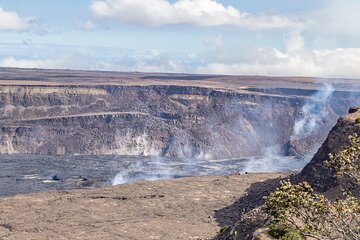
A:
166	119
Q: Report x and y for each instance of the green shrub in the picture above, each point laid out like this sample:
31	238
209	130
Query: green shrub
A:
296	212
357	120
346	164
283	233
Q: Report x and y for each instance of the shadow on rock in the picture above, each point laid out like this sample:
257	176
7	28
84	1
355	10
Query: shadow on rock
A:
242	218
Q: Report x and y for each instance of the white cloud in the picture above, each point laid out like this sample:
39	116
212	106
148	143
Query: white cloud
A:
197	12
88	25
58	60
152	61
295	60
12	21
32	63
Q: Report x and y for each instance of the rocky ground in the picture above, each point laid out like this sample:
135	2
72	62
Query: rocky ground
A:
188	208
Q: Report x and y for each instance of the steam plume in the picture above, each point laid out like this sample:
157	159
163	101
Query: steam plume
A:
314	111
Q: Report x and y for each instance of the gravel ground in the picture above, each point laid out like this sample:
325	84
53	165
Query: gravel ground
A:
186	208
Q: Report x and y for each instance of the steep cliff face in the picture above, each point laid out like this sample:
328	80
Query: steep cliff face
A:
167	118
315	173
158	120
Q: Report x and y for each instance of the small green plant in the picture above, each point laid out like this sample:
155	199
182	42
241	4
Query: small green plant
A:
357	120
346	164
224	228
284	233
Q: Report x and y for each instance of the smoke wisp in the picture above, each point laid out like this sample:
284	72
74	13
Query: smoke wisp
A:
313	112
315	117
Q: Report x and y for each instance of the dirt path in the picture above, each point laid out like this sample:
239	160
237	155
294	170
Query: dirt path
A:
176	209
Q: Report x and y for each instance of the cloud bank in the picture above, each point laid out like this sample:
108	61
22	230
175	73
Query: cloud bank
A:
294	60
12	21
156	13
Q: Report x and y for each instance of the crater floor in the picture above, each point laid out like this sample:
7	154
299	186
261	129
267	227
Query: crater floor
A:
187	208
22	174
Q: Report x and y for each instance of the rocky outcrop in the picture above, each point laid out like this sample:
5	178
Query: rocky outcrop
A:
321	178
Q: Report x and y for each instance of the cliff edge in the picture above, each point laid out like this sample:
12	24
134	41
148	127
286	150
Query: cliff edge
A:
321	178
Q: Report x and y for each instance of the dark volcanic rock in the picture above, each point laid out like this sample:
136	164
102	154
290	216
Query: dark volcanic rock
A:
321	178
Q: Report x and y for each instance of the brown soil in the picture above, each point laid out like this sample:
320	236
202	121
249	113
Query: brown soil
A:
188	208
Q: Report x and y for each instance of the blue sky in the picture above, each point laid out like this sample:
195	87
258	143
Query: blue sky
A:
247	37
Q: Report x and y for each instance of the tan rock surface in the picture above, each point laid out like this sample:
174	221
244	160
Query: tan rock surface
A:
176	209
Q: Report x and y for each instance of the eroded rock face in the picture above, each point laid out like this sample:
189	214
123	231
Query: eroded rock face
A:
315	173
158	120
162	120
